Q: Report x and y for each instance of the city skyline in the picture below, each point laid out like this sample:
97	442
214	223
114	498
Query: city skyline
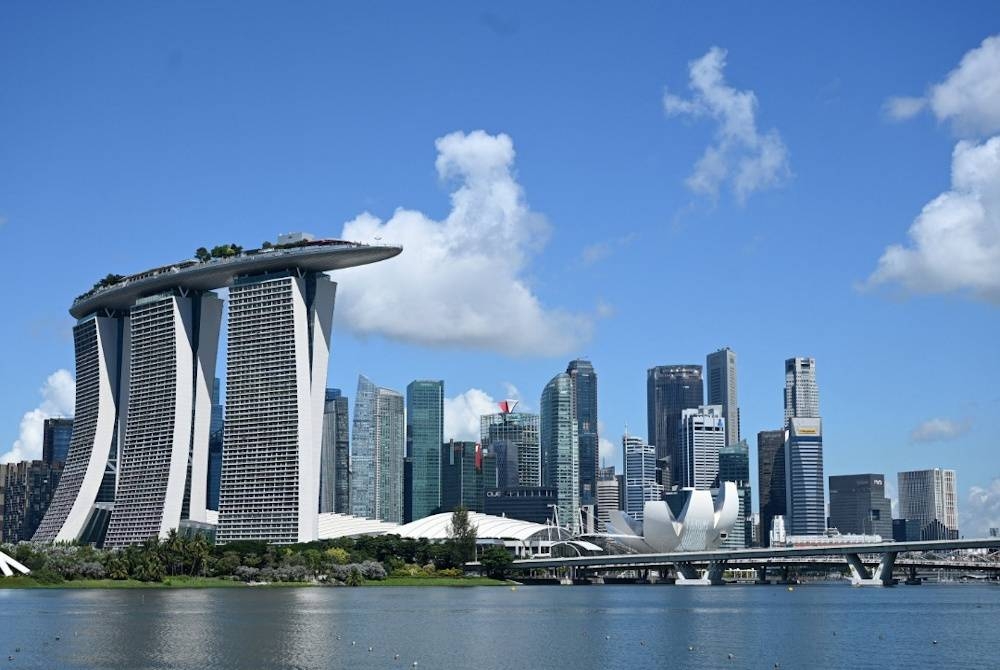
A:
829	221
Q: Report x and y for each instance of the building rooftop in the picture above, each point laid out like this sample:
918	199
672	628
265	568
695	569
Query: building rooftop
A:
120	293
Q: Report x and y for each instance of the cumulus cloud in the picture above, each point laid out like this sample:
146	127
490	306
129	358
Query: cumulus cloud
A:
461	414
742	156
461	281
982	510
58	396
955	241
939	430
968	98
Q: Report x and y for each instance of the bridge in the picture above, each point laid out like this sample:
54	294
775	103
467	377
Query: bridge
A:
869	564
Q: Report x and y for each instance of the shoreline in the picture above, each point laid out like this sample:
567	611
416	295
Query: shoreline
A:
27	582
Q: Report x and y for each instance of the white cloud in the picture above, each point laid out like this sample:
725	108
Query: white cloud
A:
460	282
969	97
609	453
981	511
461	414
938	430
902	108
742	155
955	241
58	395
511	391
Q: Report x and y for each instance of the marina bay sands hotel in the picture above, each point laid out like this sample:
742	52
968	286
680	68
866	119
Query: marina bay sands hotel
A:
146	347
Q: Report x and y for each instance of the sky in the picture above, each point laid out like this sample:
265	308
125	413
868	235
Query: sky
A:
636	186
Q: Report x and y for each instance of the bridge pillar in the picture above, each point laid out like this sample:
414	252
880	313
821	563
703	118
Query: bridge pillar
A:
880	576
688	575
761	575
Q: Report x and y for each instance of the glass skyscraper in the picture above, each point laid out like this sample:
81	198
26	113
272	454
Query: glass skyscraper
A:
466	472
215	447
734	466
770	479
640	476
424	436
928	497
801	391
561	448
379	445
56	436
585	388
858	505
703	434
513	438
670	389
720	376
805	501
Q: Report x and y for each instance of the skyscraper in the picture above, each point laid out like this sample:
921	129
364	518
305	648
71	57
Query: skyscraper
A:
378	450
805	502
670	389
734	466
26	489
278	350
513	438
640	475
585	388
424	436
341	453
173	343
720	373
703	434
608	496
858	505
215	448
801	392
929	498
561	448
56	436
770	478
329	461
466	472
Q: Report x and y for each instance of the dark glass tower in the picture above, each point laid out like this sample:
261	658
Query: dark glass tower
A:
671	389
770	479
334	480
215	448
858	505
585	387
734	466
424	436
56	436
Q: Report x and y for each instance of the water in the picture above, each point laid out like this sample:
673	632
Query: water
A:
814	626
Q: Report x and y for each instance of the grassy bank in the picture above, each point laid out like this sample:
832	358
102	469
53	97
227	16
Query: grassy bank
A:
436	581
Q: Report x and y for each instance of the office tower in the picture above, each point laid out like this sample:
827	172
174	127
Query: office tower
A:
215	448
56	436
858	505
145	349
720	377
407	489
770	478
341	452
734	466
26	489
805	502
466	472
905	530
379	445
525	503
101	344
513	437
929	498
801	392
328	453
702	435
585	388
640	476
424	436
670	389
607	496
561	448
278	353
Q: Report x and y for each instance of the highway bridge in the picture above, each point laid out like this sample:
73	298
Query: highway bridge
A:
869	564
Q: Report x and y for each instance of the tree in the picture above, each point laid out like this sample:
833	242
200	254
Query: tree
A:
266	245
201	253
463	536
496	562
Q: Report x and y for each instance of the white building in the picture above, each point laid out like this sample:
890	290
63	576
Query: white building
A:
703	434
640	475
608	496
929	498
801	391
377	451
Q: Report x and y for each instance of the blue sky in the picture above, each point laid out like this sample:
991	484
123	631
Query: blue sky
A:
570	225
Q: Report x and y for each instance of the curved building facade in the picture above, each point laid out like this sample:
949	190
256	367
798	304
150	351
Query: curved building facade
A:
701	523
146	347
